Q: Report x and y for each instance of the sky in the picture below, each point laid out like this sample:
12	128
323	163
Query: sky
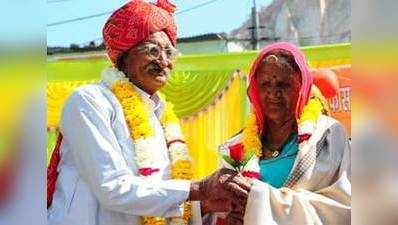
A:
218	16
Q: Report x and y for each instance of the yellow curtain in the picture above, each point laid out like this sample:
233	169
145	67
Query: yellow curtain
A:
214	125
57	93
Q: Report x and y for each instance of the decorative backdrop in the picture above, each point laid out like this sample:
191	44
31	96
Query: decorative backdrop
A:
208	93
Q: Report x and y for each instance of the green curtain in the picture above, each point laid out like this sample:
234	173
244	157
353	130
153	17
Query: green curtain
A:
191	91
196	79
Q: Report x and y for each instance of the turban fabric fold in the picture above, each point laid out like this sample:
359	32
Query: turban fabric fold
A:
134	22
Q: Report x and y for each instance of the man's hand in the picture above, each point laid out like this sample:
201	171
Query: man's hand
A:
237	213
223	184
217	205
234	219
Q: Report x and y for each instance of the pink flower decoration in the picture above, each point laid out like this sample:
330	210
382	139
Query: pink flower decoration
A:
251	174
147	171
303	137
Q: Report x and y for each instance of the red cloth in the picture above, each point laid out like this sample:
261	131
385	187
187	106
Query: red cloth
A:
303	137
251	174
134	22
147	171
306	79
52	171
220	221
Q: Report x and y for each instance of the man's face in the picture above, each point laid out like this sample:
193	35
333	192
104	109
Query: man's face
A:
278	91
149	64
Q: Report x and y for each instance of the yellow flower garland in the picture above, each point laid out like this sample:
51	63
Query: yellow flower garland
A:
311	112
137	119
136	114
251	139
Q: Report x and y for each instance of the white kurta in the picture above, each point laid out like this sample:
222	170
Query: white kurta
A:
98	182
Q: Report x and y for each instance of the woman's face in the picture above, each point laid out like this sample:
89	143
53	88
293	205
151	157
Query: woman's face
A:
278	90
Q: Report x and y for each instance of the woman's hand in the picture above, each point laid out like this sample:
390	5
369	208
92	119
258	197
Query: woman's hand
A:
237	213
223	184
216	205
234	218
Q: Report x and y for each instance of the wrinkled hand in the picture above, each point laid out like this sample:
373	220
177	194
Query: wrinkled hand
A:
234	219
236	215
223	184
216	205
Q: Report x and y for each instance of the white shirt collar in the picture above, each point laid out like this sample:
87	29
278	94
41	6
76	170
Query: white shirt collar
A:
111	75
153	100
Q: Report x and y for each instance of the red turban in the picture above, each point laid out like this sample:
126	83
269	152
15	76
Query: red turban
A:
134	22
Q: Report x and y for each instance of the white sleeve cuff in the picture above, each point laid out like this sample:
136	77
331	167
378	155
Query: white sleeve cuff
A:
181	190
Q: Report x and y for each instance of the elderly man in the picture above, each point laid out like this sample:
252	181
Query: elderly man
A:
121	158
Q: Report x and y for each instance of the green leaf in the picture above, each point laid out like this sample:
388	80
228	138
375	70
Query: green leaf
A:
248	156
230	160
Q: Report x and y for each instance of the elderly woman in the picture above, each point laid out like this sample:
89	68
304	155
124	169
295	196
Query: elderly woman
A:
302	155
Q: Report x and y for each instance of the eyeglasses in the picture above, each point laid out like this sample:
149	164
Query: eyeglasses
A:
154	50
